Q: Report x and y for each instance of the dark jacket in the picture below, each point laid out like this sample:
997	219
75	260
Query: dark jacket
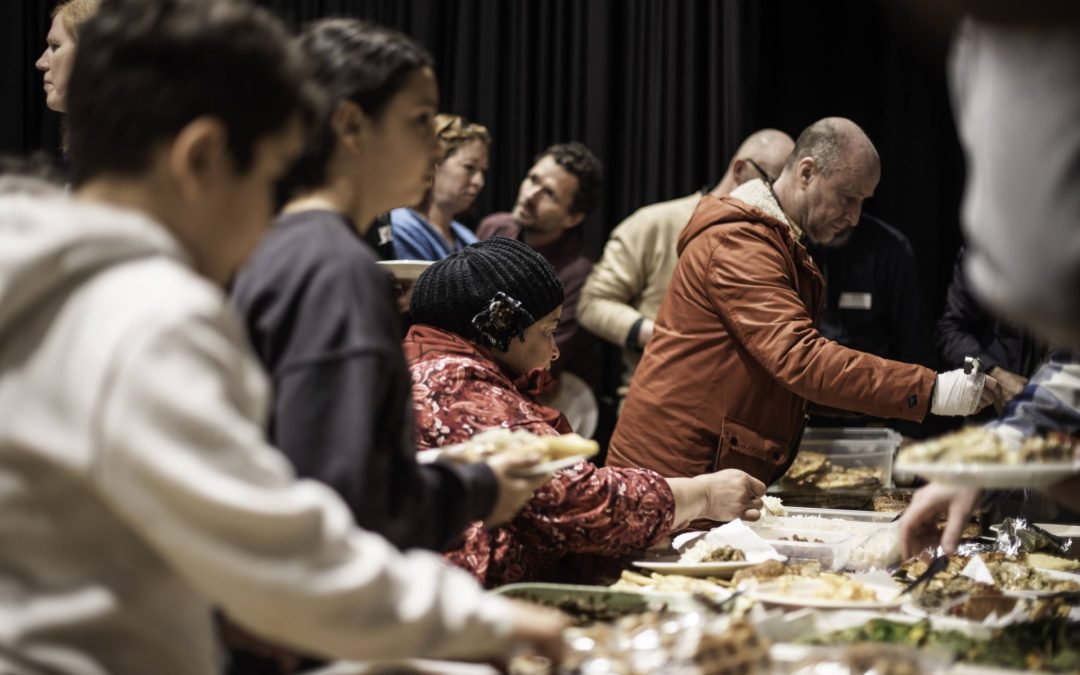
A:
873	296
736	357
966	329
322	319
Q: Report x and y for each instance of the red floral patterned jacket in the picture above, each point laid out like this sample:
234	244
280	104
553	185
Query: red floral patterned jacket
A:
460	390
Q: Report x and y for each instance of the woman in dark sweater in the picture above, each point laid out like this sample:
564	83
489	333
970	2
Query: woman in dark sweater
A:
321	314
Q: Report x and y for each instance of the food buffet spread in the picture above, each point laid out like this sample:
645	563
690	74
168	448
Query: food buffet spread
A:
813	589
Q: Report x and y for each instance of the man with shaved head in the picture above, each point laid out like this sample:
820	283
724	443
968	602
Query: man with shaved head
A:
736	358
623	293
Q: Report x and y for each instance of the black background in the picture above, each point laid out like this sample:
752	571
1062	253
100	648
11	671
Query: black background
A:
662	90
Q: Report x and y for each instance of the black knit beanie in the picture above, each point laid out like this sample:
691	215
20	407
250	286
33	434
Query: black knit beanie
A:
488	292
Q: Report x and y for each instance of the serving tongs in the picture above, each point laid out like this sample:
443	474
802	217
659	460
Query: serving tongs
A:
938	564
718	606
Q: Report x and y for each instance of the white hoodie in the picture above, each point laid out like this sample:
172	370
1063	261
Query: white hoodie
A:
137	492
1016	94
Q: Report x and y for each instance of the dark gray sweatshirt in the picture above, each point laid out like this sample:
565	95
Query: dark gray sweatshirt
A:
322	319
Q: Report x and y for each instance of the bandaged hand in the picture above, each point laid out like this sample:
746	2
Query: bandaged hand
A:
960	393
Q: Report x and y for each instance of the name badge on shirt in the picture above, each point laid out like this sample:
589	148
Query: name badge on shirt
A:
850	300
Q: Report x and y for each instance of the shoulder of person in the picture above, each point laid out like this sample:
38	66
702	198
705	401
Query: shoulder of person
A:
497	224
320	248
405	219
660	212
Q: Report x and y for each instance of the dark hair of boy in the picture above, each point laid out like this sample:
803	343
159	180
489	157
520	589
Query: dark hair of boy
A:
145	69
352	61
580	162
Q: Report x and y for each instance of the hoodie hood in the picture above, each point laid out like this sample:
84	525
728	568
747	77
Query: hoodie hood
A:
49	241
751	201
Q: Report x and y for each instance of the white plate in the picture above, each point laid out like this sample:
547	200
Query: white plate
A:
1060	530
575	399
800	594
433	454
406	270
549	467
722	570
994	475
404	666
1053	574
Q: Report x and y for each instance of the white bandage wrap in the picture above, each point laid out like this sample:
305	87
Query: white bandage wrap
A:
957	393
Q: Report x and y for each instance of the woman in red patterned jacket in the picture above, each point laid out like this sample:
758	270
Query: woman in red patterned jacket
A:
479	352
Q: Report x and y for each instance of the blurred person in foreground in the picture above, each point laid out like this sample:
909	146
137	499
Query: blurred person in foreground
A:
623	292
480	351
966	328
1015	81
736	359
137	481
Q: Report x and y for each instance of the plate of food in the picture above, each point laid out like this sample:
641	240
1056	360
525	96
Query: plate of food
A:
555	452
827	591
817	471
720	552
959	596
976	457
1012	576
405	270
995	476
1047	645
720	570
1020	580
703	559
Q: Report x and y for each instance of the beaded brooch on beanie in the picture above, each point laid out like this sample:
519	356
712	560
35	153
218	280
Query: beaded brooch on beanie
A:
503	319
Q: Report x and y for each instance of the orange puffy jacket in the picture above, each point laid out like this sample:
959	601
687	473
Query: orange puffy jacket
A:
735	358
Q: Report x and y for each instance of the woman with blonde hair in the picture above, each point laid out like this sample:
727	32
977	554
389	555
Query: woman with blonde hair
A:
59	55
428	230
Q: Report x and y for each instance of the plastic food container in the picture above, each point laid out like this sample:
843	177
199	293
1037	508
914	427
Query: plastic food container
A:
803	524
840	514
840	544
831	549
832	557
848	452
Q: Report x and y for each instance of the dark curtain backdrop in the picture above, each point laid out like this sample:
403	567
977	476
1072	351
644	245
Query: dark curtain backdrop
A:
25	123
661	90
647	85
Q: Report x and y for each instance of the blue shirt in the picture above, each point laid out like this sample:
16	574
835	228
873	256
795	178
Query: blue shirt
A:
417	239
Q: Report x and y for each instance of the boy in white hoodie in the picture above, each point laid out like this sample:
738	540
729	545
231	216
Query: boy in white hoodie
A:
136	490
